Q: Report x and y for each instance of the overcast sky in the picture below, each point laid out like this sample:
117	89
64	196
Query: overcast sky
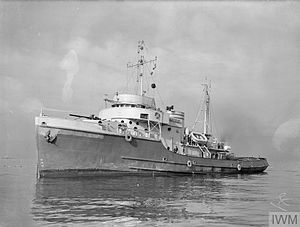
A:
67	55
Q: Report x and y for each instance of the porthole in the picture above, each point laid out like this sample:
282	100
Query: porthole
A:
137	123
169	129
130	122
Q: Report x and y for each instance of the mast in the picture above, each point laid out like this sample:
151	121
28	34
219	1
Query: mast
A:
206	110
140	65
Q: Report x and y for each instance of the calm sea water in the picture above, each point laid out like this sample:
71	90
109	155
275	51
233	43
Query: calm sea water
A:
219	200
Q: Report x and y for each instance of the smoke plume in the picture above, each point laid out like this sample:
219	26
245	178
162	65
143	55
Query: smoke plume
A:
71	66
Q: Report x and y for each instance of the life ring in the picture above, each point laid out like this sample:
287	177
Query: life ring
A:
239	167
189	163
128	137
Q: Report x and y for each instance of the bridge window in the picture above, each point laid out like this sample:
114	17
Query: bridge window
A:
144	116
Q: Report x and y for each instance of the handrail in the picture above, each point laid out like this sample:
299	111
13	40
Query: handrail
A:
200	148
205	150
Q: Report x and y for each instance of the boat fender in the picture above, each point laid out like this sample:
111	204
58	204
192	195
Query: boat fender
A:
189	163
128	137
239	167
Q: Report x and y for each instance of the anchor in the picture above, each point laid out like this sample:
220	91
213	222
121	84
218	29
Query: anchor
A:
51	137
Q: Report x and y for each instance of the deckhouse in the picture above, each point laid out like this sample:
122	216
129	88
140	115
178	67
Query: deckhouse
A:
142	118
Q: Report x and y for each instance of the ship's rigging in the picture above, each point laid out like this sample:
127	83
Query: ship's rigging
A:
205	112
140	67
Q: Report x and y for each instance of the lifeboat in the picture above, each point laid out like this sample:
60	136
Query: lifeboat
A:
198	137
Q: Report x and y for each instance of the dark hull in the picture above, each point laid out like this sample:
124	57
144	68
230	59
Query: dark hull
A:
79	153
107	172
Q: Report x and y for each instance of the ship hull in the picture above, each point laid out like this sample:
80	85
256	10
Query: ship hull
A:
78	152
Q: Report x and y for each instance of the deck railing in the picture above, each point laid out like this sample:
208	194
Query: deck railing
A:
123	129
106	125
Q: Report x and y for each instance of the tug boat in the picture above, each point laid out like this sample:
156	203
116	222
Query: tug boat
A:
133	136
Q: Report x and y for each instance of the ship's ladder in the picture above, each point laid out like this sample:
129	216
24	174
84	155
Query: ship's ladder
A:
205	152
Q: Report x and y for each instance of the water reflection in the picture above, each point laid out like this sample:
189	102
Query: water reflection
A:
132	199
